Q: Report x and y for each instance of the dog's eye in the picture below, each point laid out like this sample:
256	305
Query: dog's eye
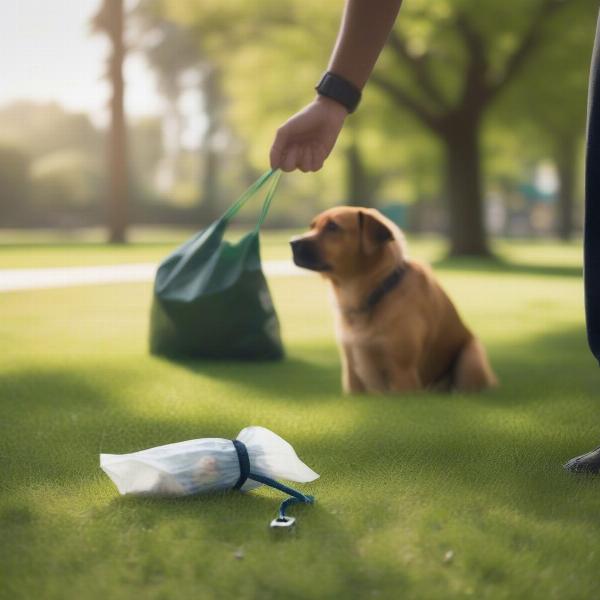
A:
332	226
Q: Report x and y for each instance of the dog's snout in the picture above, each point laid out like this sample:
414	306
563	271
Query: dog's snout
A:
306	253
302	248
295	241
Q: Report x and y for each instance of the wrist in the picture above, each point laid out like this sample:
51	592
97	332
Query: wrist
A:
332	106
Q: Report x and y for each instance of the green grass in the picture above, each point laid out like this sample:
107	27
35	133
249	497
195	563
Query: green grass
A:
404	480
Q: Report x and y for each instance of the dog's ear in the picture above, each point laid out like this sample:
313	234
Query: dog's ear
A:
373	232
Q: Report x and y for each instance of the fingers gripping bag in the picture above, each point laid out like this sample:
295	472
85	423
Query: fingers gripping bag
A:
211	298
256	457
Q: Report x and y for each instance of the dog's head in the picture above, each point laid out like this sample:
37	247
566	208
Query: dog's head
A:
342	241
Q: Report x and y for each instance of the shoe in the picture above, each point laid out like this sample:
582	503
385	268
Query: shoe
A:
586	463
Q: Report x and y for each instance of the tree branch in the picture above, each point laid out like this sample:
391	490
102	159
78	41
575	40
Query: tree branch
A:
527	45
475	88
404	99
419	67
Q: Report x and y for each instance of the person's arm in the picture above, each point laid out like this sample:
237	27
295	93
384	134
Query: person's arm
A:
306	139
365	27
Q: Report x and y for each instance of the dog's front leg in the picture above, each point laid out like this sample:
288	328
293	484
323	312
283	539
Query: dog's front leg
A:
351	383
404	379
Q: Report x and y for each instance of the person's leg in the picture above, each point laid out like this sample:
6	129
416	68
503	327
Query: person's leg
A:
591	244
590	462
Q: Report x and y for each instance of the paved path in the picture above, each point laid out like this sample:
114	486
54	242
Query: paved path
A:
60	277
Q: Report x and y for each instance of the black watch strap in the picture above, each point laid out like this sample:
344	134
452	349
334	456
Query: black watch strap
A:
339	89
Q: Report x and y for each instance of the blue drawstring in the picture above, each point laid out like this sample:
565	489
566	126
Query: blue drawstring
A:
296	496
245	473
244	460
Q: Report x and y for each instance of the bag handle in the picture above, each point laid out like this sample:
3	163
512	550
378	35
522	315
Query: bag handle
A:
268	199
253	189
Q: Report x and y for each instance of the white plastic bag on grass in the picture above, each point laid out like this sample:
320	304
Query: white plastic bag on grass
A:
210	464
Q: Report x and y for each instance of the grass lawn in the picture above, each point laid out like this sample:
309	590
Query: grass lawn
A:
421	496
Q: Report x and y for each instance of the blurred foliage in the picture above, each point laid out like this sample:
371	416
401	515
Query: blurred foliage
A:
65	179
15	183
40	129
52	165
548	103
59	170
273	52
182	65
250	65
145	138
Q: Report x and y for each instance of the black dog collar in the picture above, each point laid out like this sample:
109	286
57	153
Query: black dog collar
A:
387	285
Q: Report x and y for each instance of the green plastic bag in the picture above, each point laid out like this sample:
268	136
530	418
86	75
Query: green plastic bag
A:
211	299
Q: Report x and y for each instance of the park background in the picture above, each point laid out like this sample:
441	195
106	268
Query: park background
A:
127	126
472	117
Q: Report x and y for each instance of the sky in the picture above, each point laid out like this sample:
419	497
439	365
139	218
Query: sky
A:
47	52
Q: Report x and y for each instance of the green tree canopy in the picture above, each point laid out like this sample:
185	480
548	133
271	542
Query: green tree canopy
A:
446	65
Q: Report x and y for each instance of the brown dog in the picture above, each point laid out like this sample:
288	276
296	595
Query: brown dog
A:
397	329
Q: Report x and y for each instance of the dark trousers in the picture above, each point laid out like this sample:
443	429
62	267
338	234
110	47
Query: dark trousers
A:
592	205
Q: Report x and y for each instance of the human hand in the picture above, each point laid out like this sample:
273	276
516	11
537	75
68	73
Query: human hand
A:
305	140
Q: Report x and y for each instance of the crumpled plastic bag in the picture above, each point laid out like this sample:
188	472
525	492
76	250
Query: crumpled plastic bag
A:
204	465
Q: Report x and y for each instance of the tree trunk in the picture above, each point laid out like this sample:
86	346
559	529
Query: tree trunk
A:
358	190
463	188
213	100
117	135
173	130
566	163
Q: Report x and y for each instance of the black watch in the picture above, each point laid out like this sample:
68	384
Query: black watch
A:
339	89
